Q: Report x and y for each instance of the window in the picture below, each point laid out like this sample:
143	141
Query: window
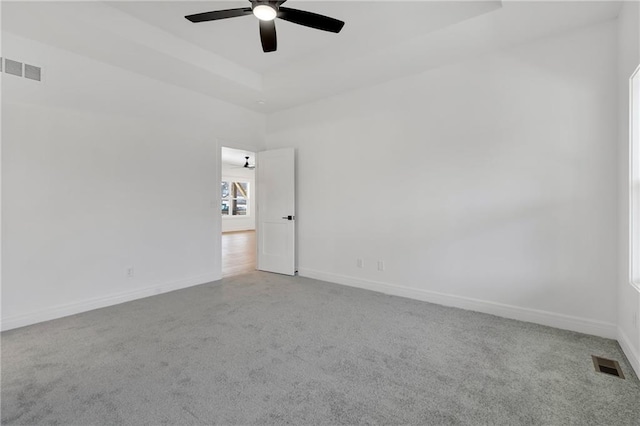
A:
634	202
235	196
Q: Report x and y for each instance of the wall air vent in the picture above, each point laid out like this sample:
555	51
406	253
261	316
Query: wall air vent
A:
607	366
32	72
13	67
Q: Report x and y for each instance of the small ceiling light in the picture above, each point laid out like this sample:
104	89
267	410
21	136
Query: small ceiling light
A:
265	12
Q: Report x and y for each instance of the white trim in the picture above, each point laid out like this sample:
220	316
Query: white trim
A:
629	351
551	319
101	302
634	172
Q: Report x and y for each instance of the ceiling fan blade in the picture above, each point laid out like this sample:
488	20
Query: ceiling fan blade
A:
310	19
219	14
268	36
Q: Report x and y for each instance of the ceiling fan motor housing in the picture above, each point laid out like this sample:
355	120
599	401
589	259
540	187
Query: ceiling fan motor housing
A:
272	4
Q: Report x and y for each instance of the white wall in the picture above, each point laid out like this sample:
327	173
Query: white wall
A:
629	298
504	162
240	223
489	184
103	170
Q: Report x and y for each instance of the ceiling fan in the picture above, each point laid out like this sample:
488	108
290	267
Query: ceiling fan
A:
266	11
247	165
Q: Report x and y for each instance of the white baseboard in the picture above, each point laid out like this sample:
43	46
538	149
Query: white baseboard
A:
60	311
629	351
551	319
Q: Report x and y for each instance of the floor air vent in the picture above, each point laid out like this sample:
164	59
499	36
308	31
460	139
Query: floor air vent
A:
607	366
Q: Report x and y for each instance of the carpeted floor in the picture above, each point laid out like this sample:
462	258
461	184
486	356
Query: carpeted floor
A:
268	349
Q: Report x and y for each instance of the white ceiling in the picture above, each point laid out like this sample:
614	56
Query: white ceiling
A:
236	157
381	40
369	26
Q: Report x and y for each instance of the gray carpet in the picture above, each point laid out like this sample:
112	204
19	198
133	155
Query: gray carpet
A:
269	349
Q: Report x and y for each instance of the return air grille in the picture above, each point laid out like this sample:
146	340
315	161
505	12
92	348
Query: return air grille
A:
9	66
32	72
607	366
13	67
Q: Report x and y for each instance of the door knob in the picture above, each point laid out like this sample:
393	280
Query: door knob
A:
288	217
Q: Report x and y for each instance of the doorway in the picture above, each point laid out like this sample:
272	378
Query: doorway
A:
238	210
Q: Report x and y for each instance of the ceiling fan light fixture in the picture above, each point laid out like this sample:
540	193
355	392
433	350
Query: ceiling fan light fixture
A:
265	12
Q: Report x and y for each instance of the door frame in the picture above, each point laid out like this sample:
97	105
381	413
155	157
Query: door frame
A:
218	196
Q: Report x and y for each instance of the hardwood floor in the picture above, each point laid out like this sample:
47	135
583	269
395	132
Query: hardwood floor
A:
238	252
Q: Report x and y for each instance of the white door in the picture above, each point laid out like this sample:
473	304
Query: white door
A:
276	211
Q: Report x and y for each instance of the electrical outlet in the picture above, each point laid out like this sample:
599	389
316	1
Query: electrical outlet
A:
360	263
380	265
130	272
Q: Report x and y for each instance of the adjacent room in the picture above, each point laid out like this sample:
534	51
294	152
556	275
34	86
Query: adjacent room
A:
238	211
320	212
